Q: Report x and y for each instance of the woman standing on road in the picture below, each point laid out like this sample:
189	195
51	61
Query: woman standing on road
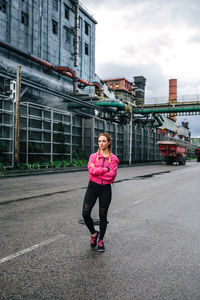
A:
102	168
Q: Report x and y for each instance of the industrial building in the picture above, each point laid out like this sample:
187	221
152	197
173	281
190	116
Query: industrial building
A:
126	90
59	32
64	104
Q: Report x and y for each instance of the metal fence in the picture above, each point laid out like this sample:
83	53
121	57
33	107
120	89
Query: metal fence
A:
45	133
7	132
49	134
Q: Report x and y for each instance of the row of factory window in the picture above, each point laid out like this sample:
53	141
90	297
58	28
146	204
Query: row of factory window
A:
114	82
54	6
68	34
55	26
25	17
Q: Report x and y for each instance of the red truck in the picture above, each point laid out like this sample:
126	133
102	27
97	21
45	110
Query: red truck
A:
173	152
197	153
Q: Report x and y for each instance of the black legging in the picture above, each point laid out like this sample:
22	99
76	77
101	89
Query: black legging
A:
104	193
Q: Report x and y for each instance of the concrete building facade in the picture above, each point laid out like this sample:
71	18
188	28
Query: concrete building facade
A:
46	29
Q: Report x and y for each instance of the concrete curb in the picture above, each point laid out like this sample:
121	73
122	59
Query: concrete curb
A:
19	173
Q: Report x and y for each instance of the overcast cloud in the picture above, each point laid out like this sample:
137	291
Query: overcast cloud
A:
159	39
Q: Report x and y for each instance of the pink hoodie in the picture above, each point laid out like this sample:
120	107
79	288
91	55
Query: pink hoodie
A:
99	173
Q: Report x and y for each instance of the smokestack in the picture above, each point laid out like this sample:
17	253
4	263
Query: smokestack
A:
173	96
140	83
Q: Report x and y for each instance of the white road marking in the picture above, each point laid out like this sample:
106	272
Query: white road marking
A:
2	260
140	201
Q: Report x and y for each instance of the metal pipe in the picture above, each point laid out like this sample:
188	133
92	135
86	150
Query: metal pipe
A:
66	71
32	28
158	119
9	23
60	37
17	121
76	26
66	97
108	104
166	110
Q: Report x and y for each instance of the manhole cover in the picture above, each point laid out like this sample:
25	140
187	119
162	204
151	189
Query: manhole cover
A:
96	222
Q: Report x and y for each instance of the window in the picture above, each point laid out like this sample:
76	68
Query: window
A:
67	10
80	23
68	35
24	18
3	5
117	84
80	46
55	5
55	27
111	84
86	49
87	28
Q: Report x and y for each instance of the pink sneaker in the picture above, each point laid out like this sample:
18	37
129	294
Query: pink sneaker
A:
100	246
93	240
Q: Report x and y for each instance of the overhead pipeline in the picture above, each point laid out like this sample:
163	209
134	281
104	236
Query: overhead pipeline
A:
119	105
66	71
174	109
158	119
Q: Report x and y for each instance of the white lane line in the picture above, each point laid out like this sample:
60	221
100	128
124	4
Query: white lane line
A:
140	201
2	260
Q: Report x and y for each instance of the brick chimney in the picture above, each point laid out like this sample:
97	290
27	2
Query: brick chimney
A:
173	96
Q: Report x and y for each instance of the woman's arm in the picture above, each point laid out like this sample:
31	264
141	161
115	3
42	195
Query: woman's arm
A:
111	173
95	171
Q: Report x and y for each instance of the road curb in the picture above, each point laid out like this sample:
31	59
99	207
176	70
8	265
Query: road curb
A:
20	173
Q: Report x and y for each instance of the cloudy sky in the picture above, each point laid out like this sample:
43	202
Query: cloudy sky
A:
158	39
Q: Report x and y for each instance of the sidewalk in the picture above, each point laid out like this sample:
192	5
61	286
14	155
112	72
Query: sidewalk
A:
17	172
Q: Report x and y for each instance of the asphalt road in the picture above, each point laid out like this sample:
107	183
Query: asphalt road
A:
152	240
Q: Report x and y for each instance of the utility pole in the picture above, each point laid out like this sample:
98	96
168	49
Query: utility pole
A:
131	139
17	121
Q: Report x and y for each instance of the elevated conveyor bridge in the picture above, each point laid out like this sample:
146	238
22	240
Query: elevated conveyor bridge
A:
189	107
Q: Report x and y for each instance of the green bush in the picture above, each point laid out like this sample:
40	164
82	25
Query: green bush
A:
46	164
56	164
66	163
79	163
35	165
83	162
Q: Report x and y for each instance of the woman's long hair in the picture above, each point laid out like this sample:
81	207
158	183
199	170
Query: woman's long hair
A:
109	139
